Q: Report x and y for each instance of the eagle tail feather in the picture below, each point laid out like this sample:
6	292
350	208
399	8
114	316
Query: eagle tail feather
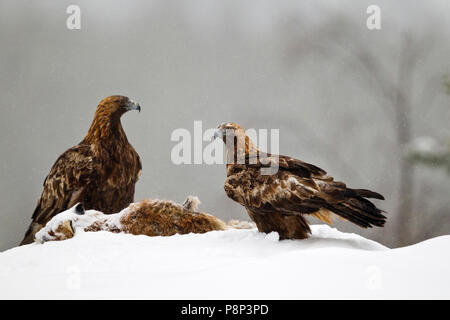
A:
360	211
363	193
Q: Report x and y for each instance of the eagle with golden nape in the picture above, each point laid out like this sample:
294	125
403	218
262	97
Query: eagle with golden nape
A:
100	172
281	201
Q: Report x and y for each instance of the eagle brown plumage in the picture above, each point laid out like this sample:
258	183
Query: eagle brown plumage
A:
281	201
100	172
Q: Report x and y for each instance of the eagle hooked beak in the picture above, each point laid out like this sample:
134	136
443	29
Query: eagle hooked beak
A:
133	105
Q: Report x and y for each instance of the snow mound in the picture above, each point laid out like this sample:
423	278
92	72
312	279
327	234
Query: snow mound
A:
231	264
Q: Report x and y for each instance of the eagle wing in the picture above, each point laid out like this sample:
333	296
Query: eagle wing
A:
300	188
64	186
293	182
284	192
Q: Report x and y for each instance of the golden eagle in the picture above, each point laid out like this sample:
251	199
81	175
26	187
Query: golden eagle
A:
100	172
280	201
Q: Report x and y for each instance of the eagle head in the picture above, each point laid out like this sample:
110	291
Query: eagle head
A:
238	144
117	105
229	130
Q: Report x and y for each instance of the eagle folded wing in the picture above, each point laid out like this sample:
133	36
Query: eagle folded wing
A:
297	188
65	183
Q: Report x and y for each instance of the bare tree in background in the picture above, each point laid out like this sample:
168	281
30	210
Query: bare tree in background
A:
351	43
430	151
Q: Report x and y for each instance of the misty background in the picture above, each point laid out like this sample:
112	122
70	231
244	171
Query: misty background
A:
347	99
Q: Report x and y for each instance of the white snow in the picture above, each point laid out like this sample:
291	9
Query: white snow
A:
231	264
79	222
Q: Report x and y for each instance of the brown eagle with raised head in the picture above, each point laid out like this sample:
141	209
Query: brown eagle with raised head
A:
100	172
280	201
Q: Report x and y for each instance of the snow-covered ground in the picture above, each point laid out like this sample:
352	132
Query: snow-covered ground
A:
232	264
